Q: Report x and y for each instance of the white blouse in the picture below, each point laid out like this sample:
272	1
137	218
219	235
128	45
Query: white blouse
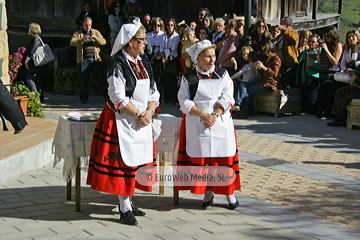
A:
117	86
155	42
226	100
346	57
170	45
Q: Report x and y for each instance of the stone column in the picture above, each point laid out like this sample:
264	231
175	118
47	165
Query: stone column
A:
4	47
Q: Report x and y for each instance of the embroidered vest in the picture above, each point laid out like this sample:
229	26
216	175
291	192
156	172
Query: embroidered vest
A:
193	79
119	62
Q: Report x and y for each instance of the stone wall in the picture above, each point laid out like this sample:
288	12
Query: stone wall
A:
4	48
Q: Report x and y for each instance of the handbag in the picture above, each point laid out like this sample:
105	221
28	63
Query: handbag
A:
43	55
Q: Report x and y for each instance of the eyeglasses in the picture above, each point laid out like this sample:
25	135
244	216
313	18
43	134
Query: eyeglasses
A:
157	25
326	35
141	39
201	15
117	6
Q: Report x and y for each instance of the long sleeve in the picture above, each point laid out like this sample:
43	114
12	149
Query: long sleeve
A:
242	71
227	97
113	24
170	45
116	90
229	49
184	97
76	39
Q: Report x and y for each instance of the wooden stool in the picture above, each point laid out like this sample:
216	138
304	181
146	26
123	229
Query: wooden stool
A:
353	113
278	102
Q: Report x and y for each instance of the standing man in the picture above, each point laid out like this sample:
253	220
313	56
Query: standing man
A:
146	21
87	42
202	13
289	52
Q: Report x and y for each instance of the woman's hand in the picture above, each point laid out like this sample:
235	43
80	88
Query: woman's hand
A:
348	72
144	118
324	47
208	119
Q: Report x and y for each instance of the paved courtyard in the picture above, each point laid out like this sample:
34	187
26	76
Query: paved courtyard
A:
300	180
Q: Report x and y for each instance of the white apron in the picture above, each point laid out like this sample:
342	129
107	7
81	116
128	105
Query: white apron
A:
135	143
219	141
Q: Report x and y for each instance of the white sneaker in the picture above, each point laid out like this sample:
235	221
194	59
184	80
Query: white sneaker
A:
324	118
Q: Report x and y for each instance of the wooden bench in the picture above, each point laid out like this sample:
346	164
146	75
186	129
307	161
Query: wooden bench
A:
279	102
353	113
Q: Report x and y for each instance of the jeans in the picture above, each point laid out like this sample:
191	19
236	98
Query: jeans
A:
242	97
86	67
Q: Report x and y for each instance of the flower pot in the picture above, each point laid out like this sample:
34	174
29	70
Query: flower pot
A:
23	102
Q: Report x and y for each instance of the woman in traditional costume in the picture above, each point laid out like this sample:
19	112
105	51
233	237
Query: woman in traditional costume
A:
207	136
122	142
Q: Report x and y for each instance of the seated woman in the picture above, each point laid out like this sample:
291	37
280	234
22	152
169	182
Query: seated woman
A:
207	139
343	97
328	57
269	78
350	55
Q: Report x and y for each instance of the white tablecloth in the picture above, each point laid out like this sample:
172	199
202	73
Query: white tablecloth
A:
72	141
166	131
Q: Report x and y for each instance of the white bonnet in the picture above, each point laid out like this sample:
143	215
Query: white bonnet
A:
125	34
195	49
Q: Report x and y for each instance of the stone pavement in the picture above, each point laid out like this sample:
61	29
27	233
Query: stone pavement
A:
300	180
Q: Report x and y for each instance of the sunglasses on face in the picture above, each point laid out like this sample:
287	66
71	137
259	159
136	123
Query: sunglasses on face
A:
157	25
170	25
261	26
141	39
201	15
117	6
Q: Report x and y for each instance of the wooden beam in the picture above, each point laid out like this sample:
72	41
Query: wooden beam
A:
340	7
315	9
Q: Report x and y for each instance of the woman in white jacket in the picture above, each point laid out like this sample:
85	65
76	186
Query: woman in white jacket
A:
349	57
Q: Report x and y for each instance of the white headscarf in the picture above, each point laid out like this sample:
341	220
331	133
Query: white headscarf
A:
195	49
125	34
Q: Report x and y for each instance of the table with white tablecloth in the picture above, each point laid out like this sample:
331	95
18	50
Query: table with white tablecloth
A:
72	142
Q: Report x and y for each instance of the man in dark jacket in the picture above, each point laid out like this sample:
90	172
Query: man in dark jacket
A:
10	109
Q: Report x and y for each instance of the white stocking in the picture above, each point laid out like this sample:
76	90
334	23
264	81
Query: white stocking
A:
125	204
231	198
208	195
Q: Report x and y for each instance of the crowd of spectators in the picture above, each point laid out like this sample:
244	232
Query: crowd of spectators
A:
281	57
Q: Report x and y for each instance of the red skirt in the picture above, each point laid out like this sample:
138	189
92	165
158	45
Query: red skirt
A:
107	172
185	160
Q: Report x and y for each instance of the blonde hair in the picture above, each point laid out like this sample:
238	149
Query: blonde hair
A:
35	28
304	33
157	19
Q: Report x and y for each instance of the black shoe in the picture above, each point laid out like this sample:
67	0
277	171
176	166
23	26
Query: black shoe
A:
206	204
235	205
128	218
337	123
136	211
